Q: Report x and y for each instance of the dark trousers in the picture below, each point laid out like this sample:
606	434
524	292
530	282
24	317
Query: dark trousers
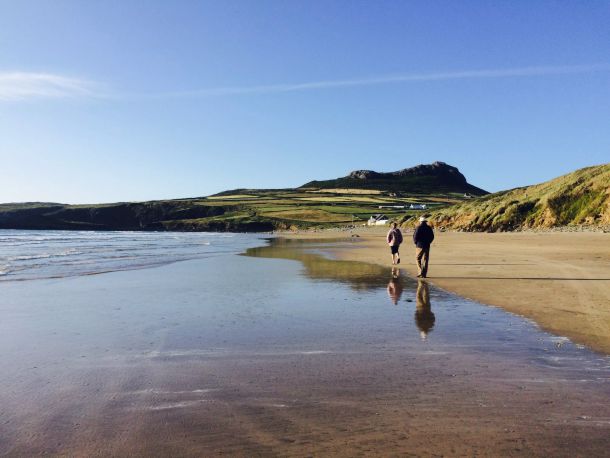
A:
422	255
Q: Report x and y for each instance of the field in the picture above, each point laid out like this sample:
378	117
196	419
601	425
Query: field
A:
329	207
241	210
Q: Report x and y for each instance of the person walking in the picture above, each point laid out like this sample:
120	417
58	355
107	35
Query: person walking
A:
394	239
423	237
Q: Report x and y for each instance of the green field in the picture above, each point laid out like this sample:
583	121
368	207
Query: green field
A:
240	210
314	207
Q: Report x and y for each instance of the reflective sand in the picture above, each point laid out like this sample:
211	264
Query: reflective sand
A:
249	355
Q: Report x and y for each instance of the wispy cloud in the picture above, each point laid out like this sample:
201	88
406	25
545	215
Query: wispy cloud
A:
25	86
15	86
391	79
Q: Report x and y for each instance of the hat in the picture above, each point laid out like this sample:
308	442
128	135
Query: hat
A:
422	219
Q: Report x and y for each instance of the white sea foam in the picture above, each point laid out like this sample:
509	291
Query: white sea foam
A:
45	255
57	254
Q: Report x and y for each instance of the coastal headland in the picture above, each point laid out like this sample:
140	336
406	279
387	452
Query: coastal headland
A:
327	203
561	280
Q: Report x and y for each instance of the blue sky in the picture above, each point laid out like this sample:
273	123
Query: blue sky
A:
134	100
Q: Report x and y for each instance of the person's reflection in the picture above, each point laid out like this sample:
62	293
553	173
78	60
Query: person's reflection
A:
395	286
424	318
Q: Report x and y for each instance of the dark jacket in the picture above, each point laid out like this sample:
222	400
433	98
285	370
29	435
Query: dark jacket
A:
423	236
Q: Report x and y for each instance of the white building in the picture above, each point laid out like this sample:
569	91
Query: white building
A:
378	220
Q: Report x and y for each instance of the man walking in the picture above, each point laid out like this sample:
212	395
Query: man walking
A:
394	239
423	237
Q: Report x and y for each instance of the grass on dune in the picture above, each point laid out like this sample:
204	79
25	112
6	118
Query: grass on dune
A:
578	198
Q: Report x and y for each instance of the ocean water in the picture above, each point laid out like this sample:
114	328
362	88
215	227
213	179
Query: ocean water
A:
30	255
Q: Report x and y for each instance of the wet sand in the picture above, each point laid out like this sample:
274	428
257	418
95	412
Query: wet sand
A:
286	353
560	280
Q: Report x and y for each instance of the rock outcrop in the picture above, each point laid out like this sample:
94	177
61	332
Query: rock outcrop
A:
421	179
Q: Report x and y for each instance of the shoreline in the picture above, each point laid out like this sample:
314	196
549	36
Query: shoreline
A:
559	279
307	230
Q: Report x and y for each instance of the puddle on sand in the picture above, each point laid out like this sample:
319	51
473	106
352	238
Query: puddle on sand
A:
318	266
455	321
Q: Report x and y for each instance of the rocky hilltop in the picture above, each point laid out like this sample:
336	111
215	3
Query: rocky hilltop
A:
580	198
421	179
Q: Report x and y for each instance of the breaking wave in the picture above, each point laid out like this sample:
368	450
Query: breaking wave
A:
30	255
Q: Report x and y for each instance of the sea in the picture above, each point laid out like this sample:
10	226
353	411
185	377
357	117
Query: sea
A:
31	255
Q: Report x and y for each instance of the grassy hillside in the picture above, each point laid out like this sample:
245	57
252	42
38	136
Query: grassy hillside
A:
256	209
240	210
578	198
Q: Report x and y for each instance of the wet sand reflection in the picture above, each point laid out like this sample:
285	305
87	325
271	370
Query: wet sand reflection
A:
424	318
395	287
360	276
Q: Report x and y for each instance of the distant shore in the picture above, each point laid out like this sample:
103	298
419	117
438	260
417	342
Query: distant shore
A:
559	278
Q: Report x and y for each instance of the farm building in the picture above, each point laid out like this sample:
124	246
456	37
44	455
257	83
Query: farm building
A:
378	220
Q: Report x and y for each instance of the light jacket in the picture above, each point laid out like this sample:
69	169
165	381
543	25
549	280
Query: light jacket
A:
394	237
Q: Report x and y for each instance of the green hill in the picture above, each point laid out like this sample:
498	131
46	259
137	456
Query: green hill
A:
580	198
435	185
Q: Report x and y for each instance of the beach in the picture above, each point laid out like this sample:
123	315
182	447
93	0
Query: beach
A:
196	202
559	279
272	348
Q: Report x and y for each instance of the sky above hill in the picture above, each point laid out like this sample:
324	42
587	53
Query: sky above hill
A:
134	100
